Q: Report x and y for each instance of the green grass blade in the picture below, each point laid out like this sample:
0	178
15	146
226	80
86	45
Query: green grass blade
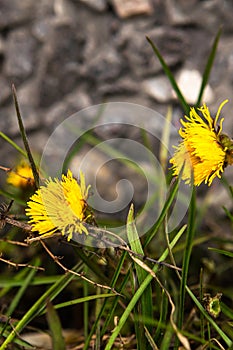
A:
209	318
152	232
24	286
138	294
163	150
223	252
110	314
150	339
37	281
9	283
202	341
12	196
202	323
226	311
170	76
97	312
83	300
25	140
55	328
13	144
22	343
208	67
162	316
135	243
186	258
145	307
230	216
85	306
166	342
39	306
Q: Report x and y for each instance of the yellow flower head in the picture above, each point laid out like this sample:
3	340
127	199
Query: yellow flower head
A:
204	152
59	205
22	176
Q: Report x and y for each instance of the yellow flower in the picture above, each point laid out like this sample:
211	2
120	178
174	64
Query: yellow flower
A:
204	151
59	205
22	176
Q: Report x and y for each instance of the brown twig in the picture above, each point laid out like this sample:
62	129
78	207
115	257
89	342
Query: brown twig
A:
4	218
147	258
30	240
17	265
93	232
14	242
81	275
123	246
17	223
5	169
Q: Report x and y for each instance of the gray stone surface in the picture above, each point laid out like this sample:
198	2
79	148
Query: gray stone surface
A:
99	5
66	55
20	53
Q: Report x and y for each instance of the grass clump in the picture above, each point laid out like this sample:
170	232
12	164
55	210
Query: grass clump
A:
119	297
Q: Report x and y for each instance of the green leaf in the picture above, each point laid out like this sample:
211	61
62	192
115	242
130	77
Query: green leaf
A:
111	312
139	293
170	77
230	216
25	140
223	252
186	257
152	232
12	196
55	328
17	282
39	306
146	299
27	280
136	247
83	300
6	284
12	143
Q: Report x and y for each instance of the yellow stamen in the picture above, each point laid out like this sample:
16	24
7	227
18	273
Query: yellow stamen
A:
202	150
59	205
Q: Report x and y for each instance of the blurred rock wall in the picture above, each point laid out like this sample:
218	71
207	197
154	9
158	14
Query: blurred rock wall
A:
65	55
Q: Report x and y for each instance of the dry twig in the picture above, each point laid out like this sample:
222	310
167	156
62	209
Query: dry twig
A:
17	265
56	259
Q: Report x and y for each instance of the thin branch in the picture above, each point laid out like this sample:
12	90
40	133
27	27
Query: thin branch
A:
122	245
14	242
16	223
17	265
125	247
81	275
5	169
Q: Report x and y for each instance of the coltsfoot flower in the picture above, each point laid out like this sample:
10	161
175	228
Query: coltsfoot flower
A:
59	205
22	176
204	151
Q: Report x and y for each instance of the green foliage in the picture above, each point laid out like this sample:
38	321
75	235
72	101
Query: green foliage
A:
121	297
55	328
25	140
